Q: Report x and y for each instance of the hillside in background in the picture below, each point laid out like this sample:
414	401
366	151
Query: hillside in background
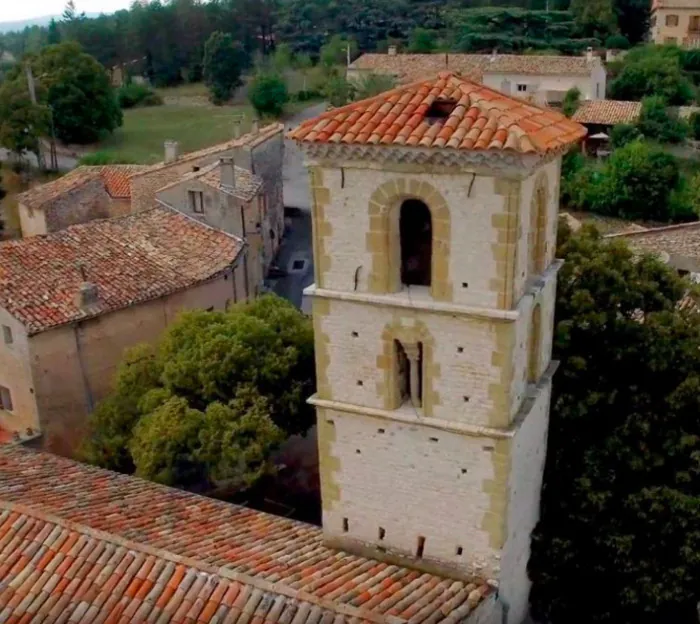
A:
20	25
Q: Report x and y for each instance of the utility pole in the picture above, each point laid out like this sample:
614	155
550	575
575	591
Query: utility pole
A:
32	95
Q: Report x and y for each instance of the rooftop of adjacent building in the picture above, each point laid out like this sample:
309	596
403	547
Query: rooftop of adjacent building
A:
607	112
114	177
247	185
675	4
447	112
672	240
128	259
474	66
97	546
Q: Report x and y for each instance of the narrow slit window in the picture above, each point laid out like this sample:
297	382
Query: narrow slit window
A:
346	525
382	533
410	373
420	547
196	201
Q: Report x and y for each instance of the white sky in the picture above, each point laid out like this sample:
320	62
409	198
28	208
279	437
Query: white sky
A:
12	10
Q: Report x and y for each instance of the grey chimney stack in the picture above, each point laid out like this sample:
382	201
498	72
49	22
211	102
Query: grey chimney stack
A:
172	151
589	54
392	50
88	295
227	172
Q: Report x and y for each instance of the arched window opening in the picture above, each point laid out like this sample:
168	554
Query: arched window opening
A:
410	373
416	231
533	365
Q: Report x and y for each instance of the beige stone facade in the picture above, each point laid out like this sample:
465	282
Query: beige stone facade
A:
449	482
676	22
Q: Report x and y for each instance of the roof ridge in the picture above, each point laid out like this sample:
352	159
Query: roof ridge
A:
279	588
663	228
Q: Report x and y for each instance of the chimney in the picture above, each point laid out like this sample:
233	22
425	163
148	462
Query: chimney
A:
172	151
392	50
87	295
589	54
494	54
227	173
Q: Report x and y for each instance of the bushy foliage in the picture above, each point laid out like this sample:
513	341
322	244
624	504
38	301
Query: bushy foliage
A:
622	134
658	122
620	502
572	100
338	91
695	126
223	64
211	400
372	84
78	90
617	42
422	41
268	94
335	52
22	123
651	71
133	94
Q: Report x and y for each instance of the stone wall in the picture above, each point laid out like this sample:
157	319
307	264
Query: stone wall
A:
74	365
85	203
16	375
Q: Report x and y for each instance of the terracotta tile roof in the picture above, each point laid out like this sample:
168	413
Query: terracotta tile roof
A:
115	178
477	118
280	569
674	4
678	241
607	112
248	185
131	259
249	140
409	67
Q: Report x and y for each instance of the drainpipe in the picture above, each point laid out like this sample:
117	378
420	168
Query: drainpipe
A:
245	257
87	391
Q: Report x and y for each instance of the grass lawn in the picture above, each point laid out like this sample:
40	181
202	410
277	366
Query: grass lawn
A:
141	137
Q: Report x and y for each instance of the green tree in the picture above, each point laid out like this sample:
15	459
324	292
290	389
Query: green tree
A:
594	17
636	183
268	94
620	501
22	123
304	64
224	60
572	100
622	134
338	91
695	126
657	121
282	58
373	84
335	52
422	41
651	70
617	42
256	358
633	18
78	90
54	34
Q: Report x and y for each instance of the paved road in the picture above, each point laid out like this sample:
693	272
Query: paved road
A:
295	256
65	163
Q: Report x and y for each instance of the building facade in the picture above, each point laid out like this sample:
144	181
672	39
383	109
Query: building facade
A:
434	233
676	22
71	303
543	79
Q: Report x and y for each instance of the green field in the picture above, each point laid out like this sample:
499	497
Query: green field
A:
141	137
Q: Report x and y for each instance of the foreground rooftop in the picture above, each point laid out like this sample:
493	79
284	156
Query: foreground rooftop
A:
96	546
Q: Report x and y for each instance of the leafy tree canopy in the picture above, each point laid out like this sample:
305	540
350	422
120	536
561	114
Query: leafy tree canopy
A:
622	478
572	100
22	123
224	61
268	93
651	71
372	84
211	400
657	121
78	90
622	134
422	41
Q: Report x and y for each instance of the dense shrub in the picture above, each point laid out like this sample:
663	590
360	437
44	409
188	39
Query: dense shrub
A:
104	158
132	95
622	134
268	94
658	122
617	42
572	100
695	126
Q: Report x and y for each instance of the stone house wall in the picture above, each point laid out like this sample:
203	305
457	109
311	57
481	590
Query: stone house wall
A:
73	366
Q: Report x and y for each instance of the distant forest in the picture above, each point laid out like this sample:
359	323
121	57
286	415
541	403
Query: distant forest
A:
165	40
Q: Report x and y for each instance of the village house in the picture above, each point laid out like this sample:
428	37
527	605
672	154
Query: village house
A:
542	79
71	301
676	22
81	195
88	193
599	117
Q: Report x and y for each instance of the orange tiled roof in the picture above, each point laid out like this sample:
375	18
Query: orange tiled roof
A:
186	554
131	259
114	177
478	118
607	112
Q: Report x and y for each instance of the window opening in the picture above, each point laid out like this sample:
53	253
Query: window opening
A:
5	399
416	234
410	373
196	199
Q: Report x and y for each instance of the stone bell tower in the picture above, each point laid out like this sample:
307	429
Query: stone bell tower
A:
434	226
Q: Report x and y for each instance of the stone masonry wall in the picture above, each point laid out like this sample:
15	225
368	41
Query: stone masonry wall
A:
64	388
16	375
85	203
